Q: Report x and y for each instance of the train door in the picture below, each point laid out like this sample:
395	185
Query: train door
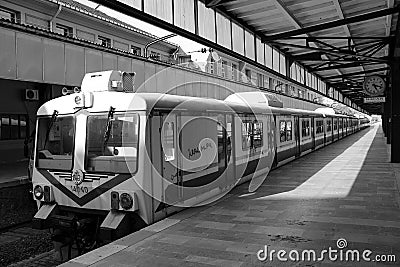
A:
297	135
313	132
230	157
172	176
222	146
325	125
276	129
202	155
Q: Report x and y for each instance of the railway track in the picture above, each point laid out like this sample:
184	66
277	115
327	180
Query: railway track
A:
17	225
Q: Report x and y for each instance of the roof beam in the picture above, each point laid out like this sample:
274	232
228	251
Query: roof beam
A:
339	38
214	3
345	27
285	11
342	66
331	52
356	73
333	24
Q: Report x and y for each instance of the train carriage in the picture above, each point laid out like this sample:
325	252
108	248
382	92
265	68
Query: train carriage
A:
113	161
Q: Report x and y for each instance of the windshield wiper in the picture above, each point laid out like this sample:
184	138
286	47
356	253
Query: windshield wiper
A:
107	132
52	120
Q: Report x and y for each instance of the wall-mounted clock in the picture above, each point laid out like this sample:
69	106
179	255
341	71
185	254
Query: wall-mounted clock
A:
374	85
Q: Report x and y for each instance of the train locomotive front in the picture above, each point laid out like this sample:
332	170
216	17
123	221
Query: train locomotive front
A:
88	165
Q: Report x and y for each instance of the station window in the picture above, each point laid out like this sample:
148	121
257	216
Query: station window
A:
13	126
252	134
37	22
104	41
305	128
224	68
248	75
9	14
260	80
319	126
211	65
155	55
234	72
136	50
64	30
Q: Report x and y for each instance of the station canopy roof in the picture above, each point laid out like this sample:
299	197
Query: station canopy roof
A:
340	40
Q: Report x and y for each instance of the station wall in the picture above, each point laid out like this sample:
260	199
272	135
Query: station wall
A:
48	64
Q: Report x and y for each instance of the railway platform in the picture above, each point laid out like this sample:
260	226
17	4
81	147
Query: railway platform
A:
343	197
13	174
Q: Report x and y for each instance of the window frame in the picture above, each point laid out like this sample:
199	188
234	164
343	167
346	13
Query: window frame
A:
319	126
289	132
329	125
68	31
103	39
282	131
251	125
19	126
15	15
133	49
305	127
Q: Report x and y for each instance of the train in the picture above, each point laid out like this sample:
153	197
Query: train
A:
110	160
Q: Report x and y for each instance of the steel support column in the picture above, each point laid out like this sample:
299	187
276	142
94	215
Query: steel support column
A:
385	117
388	111
394	98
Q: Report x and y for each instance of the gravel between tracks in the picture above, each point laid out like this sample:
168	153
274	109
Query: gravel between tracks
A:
16	205
18	245
21	242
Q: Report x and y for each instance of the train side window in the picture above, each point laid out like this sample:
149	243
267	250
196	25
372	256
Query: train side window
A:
335	122
328	125
282	131
305	128
169	143
229	136
252	134
221	149
246	135
257	134
320	127
288	130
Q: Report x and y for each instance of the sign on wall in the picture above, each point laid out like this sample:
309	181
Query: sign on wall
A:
379	99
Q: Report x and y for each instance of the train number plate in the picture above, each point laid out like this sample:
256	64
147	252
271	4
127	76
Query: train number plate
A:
80	190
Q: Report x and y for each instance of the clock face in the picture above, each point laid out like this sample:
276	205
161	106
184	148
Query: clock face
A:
374	85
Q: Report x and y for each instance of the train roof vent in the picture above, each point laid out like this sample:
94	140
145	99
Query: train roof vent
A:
111	80
255	98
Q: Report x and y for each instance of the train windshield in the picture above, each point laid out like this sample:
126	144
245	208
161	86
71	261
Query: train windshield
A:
55	143
112	143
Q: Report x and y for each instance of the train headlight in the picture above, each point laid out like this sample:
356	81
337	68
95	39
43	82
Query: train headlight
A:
38	192
126	201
